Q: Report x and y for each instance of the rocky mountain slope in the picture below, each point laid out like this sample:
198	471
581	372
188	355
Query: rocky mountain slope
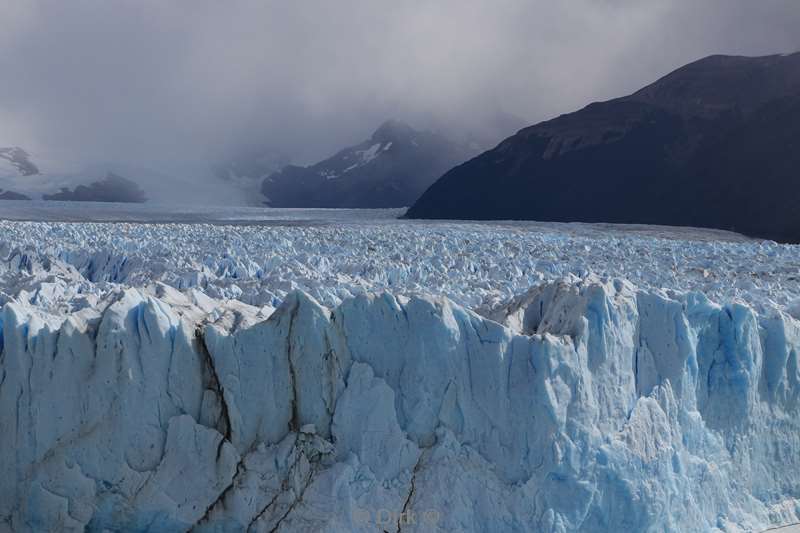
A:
391	169
713	144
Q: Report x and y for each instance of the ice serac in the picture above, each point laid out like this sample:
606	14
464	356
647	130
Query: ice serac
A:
578	406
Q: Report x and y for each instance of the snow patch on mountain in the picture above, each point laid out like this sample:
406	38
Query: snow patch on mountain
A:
328	174
365	156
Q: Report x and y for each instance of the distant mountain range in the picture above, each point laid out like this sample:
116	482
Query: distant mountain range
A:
714	144
112	188
391	169
18	170
11	195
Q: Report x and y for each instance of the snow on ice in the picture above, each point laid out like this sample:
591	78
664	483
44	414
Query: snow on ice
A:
378	375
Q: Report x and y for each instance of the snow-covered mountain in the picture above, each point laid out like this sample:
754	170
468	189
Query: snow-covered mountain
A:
391	169
713	144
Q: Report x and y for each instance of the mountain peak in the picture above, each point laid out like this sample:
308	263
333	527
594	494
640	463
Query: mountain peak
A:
393	130
391	169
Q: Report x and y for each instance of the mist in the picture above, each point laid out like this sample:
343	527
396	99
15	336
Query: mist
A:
176	85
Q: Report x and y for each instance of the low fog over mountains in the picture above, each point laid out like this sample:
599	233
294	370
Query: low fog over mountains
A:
164	93
390	169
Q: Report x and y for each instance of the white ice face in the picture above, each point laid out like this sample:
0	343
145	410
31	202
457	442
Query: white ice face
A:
365	374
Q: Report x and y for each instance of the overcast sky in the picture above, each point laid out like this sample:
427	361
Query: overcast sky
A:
154	81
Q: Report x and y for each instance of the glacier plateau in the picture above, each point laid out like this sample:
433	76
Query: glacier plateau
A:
500	378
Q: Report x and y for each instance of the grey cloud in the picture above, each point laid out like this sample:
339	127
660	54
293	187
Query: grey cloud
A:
158	83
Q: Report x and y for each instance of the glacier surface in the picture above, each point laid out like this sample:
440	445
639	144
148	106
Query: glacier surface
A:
386	376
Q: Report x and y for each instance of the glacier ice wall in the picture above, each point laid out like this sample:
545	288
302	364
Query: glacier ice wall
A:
579	406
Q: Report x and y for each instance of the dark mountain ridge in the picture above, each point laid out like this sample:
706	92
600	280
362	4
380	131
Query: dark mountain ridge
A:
713	144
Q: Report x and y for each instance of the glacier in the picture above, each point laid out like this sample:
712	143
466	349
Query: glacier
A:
493	396
260	256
